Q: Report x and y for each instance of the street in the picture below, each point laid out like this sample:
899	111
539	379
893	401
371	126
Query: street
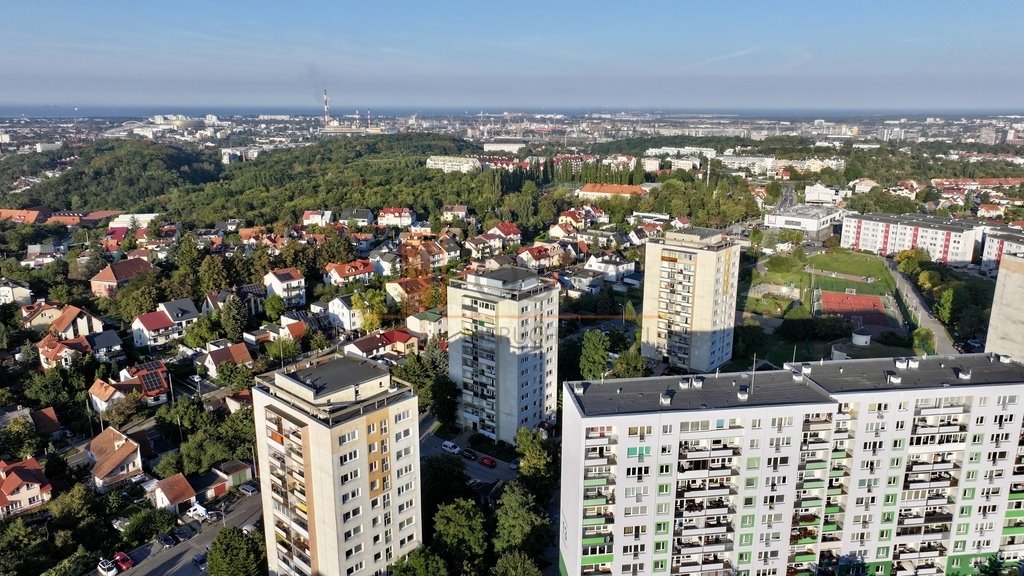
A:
919	309
430	445
154	559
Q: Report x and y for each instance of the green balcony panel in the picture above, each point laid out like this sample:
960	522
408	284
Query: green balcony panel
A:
598	559
806	557
595	482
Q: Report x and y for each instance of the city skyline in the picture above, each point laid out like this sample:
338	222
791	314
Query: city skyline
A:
911	55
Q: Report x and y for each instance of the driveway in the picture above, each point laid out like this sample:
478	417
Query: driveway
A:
154	559
430	445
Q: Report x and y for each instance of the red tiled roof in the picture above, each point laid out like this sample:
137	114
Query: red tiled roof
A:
507	229
17	474
122	271
395	211
102	390
297	330
236	353
392	336
110	448
45	420
354	268
617	189
286	274
67	316
176	489
153	321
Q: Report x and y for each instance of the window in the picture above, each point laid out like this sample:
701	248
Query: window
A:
347	437
403	415
348	457
353	532
753	463
746	539
661	528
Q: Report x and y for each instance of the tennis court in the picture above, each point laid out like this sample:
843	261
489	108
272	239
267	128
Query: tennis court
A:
862	310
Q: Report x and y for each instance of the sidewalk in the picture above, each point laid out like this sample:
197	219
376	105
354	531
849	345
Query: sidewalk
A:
919	309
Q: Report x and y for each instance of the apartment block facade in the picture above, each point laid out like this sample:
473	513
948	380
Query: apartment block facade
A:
338	450
914	465
1005	335
998	242
503	350
690	299
949	241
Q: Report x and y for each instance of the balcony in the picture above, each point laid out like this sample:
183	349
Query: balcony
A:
817	424
1017	492
599	480
801	536
830	527
838	472
713	508
812	502
935	480
910	553
931	466
804	556
703	490
598	500
940	410
811	484
1014	528
839	454
696	451
833	508
813	465
597	440
598	519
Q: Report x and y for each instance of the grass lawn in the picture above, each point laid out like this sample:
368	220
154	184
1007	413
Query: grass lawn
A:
768	306
830	284
849	263
778	351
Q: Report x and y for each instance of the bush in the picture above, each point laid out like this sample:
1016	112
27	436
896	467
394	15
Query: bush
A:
894	339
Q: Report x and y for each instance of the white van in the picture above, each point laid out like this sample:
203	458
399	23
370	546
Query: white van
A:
451	447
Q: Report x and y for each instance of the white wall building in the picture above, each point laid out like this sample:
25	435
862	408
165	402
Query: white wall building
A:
816	222
503	350
948	241
822	194
909	464
453	163
998	242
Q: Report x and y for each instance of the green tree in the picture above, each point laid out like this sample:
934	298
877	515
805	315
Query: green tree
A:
442	479
144	525
594	356
444	400
629	311
234	376
460	537
79	562
235	553
123	410
140	295
234	316
421	562
273	307
515	563
924	339
631	364
537	462
372	304
282	349
994	566
201	332
212	275
19	438
319	341
520	523
928	280
169	465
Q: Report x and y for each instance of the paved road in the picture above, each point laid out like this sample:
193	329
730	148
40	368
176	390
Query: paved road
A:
919	309
430	445
153	559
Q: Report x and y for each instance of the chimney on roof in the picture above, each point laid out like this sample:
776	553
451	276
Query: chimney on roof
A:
665	398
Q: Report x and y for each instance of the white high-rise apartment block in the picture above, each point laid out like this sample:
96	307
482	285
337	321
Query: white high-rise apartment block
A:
949	241
503	350
914	465
998	242
690	299
1006	322
338	449
453	163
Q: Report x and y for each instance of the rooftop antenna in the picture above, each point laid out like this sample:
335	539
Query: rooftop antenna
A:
753	372
327	109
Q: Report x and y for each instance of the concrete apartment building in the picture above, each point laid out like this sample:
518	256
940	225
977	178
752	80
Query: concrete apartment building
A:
998	242
1006	324
912	464
503	350
338	451
453	163
690	299
816	222
952	242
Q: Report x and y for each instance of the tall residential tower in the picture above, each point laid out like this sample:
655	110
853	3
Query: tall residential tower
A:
690	299
503	350
1006	323
338	448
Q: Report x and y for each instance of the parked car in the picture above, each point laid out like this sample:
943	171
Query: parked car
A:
107	568
123	560
469	454
214	516
166	540
248	529
195	379
183	533
488	461
451	447
199	561
249	489
514	465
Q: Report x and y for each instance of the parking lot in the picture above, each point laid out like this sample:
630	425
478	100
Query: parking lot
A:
430	445
154	559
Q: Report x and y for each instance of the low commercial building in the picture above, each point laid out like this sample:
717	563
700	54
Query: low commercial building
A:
816	222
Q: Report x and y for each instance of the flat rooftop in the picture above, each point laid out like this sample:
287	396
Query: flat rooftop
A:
335	373
808	211
642	395
932	372
920	220
799	383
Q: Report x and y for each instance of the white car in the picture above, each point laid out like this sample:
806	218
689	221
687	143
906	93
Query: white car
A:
248	489
195	379
107	568
451	447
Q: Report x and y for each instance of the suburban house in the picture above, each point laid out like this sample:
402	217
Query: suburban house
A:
386	263
107	281
174	493
395	217
252	295
115	458
74	322
102	394
106	346
46	423
14	292
591	191
359	217
151	380
154	329
23	487
428	324
39	315
317	218
341	312
220	351
452	212
341	274
380	342
55	352
559	231
412	293
573	218
584	281
508	232
289	284
182	312
991	211
485	245
612	264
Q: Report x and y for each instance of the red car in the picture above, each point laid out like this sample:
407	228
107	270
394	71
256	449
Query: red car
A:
123	561
488	461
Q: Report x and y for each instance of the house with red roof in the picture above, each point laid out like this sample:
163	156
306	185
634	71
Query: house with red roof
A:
107	281
288	283
508	232
153	329
412	293
395	217
46	423
114	459
592	191
150	380
174	493
395	341
573	218
356	271
220	352
55	352
74	322
539	257
991	211
23	487
317	218
39	315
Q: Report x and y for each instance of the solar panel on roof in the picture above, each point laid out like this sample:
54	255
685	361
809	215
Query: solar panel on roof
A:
151	382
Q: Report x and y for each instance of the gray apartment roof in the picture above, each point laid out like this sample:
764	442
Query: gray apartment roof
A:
639	395
808	211
932	372
810	382
509	274
339	373
701	232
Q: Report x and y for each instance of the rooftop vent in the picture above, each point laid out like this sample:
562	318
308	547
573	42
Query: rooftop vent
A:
894	378
913	363
805	368
618	390
698	382
1005	359
901	363
963	373
797	376
577	387
665	399
743	393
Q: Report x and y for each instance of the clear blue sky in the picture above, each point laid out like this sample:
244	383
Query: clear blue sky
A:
893	54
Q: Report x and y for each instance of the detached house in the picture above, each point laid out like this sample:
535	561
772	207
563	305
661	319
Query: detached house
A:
174	493
149	380
612	264
23	487
317	218
341	274
289	284
107	281
115	458
451	212
341	312
74	322
252	296
395	217
222	351
508	232
14	292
